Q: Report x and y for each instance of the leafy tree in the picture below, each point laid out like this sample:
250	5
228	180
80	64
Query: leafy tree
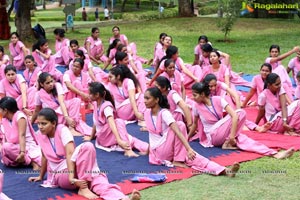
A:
231	12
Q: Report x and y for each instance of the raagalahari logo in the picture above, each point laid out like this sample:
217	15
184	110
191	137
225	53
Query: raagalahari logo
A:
272	8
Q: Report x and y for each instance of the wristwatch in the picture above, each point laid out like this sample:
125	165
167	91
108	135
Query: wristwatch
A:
284	119
73	181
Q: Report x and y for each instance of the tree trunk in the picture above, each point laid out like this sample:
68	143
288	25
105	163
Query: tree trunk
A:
60	3
123	5
23	21
184	8
44	4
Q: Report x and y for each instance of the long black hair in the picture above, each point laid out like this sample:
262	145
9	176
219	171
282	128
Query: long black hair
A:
42	79
171	50
271	78
9	103
124	72
156	93
49	114
112	45
163	82
201	88
96	87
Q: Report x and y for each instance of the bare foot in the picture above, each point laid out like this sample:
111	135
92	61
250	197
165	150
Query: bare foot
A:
144	129
35	166
142	123
179	164
135	195
130	153
285	154
291	133
241	73
264	128
143	153
74	132
231	171
226	145
87	193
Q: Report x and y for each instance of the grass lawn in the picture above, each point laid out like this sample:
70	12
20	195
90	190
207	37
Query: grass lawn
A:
264	178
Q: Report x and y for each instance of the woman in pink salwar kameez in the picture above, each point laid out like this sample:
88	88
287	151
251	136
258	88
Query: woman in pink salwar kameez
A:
2	195
18	51
71	167
117	35
111	53
14	86
225	131
127	94
168	139
123	58
76	81
44	59
20	147
51	95
61	45
190	73
198	49
273	106
218	88
31	75
179	109
158	48
278	68
175	77
4	61
110	132
258	82
94	47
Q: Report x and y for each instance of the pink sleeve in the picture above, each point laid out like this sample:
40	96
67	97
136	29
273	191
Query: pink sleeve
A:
108	111
66	136
21	78
224	86
38	101
162	65
281	91
268	60
176	97
167	117
195	111
196	50
297	92
227	72
59	89
291	64
66	78
261	99
253	82
20	44
2	90
130	85
224	103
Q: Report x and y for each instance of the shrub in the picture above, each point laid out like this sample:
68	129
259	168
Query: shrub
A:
149	15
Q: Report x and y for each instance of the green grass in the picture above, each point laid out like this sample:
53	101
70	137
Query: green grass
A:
265	178
252	38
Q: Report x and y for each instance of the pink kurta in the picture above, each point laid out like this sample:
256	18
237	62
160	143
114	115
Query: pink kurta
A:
166	147
122	38
286	82
176	81
17	54
84	157
121	97
294	65
45	100
273	109
11	148
47	65
80	82
13	89
217	129
96	47
104	134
